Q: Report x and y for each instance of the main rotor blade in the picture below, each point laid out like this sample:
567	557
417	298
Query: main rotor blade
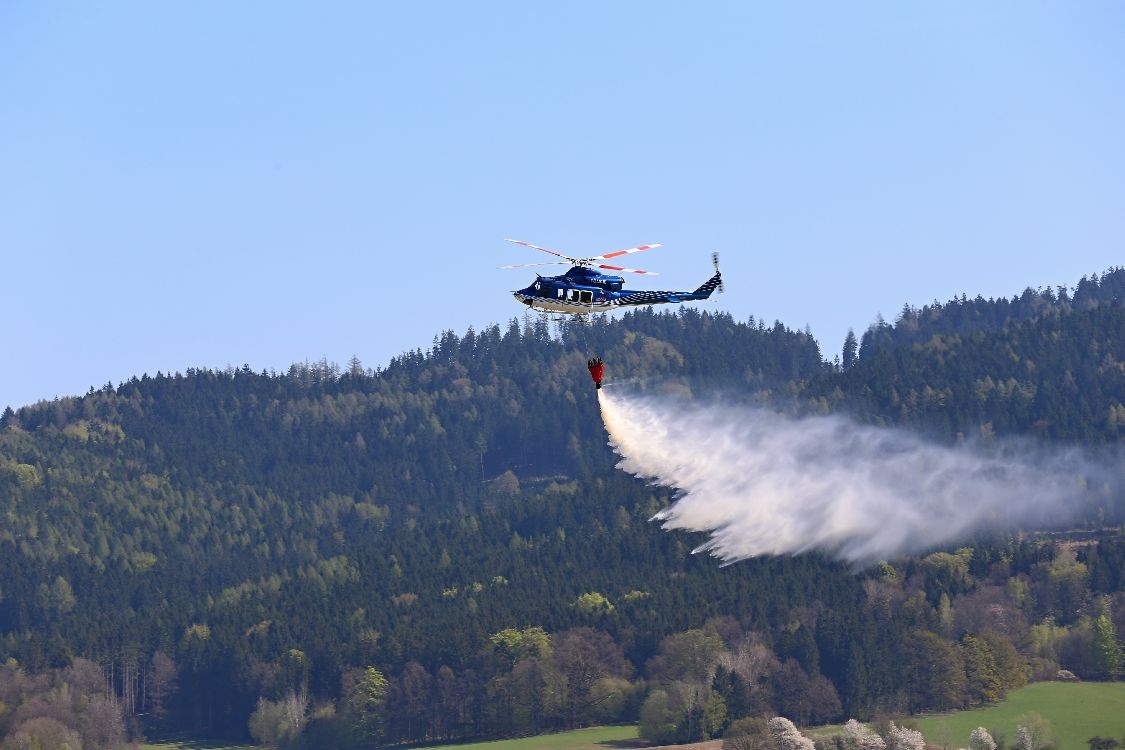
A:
587	261
616	253
536	247
529	265
626	270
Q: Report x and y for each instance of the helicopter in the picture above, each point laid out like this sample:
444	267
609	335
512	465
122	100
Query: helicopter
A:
584	289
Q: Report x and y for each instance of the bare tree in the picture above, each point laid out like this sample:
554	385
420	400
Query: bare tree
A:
295	709
42	732
410	698
584	656
748	734
751	659
160	684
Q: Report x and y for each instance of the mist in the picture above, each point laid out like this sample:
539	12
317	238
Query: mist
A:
762	483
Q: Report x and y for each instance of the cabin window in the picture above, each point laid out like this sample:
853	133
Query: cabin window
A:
562	293
573	295
587	297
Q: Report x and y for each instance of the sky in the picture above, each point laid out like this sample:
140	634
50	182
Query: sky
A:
212	184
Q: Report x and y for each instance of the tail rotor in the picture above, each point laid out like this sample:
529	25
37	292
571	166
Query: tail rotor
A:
715	262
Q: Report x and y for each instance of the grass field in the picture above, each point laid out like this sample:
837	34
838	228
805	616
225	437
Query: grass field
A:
194	745
1076	710
594	738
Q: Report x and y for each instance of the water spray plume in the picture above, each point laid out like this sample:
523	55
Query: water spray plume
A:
762	483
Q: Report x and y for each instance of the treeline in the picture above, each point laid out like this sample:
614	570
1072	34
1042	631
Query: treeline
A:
72	707
932	634
950	630
962	316
1042	365
329	548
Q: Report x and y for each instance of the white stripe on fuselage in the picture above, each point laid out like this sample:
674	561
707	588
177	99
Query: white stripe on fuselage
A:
564	306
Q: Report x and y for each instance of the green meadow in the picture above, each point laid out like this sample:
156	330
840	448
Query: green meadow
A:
197	745
1076	710
593	738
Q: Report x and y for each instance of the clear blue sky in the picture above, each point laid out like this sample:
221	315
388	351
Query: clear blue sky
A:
204	184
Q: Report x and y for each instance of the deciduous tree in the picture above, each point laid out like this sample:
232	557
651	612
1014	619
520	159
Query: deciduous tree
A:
786	737
1106	655
364	696
861	738
980	739
749	733
902	738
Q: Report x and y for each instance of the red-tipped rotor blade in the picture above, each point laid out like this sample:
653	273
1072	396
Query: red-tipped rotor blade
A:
626	270
536	247
529	265
617	253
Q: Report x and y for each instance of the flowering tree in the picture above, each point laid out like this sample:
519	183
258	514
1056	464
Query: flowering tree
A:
862	738
980	739
901	738
786	737
1033	732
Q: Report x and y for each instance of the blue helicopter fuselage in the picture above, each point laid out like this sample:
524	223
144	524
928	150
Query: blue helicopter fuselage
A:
583	290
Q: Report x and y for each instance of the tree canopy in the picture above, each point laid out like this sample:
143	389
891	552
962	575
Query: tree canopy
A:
442	547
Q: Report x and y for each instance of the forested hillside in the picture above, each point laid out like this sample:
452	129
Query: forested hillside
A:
1046	363
442	548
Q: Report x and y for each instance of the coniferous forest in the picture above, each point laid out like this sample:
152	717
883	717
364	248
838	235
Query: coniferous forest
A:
441	548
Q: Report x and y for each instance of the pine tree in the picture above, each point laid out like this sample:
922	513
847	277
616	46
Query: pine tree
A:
851	350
